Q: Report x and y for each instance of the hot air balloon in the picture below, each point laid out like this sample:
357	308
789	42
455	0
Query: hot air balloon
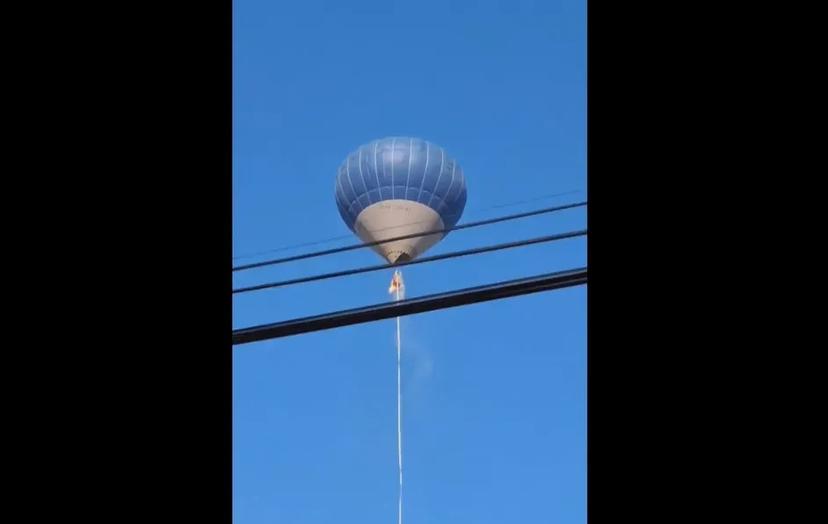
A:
400	186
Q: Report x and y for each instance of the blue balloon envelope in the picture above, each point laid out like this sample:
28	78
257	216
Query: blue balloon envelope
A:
400	186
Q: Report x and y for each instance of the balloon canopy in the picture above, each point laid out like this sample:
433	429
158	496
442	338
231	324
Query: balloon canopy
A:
400	186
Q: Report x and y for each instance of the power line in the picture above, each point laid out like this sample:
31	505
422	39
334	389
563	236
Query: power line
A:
380	267
342	237
530	200
351	247
460	297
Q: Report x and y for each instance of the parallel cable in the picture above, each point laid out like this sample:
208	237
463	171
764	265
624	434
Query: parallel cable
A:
343	237
449	299
352	247
380	267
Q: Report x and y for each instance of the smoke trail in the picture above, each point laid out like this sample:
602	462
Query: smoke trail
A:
397	287
399	415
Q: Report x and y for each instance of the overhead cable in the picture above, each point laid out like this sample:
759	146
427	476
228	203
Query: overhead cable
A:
434	258
352	247
460	297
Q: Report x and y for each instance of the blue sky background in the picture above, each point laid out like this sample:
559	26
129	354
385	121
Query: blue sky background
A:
494	394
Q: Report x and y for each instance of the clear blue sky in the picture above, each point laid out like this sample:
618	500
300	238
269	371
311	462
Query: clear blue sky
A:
494	394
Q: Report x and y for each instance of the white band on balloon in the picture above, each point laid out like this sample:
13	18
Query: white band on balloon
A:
395	218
